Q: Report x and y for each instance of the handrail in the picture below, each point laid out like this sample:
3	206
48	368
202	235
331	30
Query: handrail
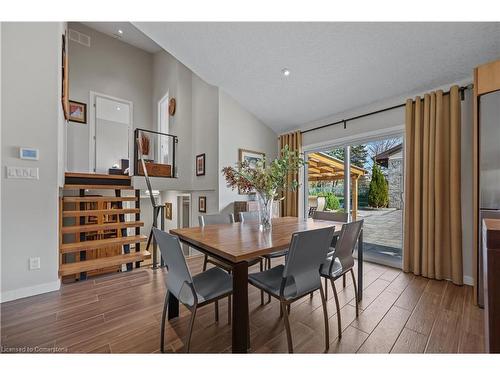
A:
175	141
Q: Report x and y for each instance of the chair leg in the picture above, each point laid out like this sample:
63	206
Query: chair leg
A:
268	261
325	315
190	333
287	327
229	309
339	322
326	288
261	291
355	291
163	318
205	260
217	310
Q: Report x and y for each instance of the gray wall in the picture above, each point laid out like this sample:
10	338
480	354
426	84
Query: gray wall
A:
31	116
109	67
238	128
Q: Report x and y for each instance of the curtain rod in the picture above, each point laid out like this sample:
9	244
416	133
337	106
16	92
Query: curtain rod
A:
344	122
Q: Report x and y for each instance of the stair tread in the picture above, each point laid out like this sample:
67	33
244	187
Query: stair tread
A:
97	176
98	199
96	244
97	187
111	211
98	227
93	264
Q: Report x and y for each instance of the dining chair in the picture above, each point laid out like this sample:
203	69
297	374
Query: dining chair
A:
253	217
192	291
214	219
332	216
341	262
299	276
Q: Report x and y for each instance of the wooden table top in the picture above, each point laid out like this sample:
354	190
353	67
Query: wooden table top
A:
242	242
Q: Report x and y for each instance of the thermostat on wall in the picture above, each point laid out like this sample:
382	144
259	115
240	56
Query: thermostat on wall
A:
28	153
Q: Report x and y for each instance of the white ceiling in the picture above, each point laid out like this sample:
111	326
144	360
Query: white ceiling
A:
334	66
130	34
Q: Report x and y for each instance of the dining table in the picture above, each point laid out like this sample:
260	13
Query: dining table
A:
236	244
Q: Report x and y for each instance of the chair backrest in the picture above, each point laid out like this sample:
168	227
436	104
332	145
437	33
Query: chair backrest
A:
331	216
249	217
178	279
215	219
347	242
307	253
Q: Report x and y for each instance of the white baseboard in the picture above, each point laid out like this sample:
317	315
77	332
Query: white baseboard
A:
468	280
11	295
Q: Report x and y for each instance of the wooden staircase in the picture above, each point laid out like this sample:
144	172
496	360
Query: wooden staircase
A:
94	231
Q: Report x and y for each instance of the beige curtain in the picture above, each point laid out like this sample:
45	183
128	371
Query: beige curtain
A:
290	205
432	216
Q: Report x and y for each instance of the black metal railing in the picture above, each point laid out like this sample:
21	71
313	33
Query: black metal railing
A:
158	151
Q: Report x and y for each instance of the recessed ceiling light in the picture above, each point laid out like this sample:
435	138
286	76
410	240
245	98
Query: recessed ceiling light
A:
118	108
285	72
120	31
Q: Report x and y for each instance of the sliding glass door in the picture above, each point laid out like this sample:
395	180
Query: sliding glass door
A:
369	185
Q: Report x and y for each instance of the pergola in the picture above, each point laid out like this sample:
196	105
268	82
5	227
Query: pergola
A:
323	167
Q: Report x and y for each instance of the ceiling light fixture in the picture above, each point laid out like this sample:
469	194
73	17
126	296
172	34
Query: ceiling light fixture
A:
285	72
120	31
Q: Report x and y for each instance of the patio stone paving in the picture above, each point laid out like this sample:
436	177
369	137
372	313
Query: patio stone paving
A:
382	236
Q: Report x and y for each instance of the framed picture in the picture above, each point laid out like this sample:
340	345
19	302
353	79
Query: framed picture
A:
252	157
202	204
77	112
200	165
168	211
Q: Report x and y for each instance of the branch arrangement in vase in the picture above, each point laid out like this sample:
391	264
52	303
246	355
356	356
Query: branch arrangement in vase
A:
268	179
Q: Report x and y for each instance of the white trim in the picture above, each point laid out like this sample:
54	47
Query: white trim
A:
468	280
29	291
92	98
364	136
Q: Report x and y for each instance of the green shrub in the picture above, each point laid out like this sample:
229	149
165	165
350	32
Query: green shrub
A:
378	193
332	202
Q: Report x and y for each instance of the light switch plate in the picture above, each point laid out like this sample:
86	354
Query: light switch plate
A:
34	263
23	173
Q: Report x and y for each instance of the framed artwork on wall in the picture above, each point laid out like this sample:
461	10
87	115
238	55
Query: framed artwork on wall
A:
77	112
168	211
202	204
251	157
200	165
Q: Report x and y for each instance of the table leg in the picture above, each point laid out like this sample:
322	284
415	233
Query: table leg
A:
360	266
240	307
173	306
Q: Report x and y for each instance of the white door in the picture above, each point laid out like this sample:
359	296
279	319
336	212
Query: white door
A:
163	128
112	129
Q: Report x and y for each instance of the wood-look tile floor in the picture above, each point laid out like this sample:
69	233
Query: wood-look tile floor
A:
120	313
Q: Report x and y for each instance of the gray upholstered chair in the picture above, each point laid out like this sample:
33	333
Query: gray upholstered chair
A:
299	276
253	217
331	216
214	219
192	291
341	262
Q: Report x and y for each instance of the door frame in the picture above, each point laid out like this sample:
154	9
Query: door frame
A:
92	125
164	98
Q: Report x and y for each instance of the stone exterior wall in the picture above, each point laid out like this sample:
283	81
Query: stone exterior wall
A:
395	180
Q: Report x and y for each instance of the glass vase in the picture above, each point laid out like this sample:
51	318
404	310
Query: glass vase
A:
265	204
